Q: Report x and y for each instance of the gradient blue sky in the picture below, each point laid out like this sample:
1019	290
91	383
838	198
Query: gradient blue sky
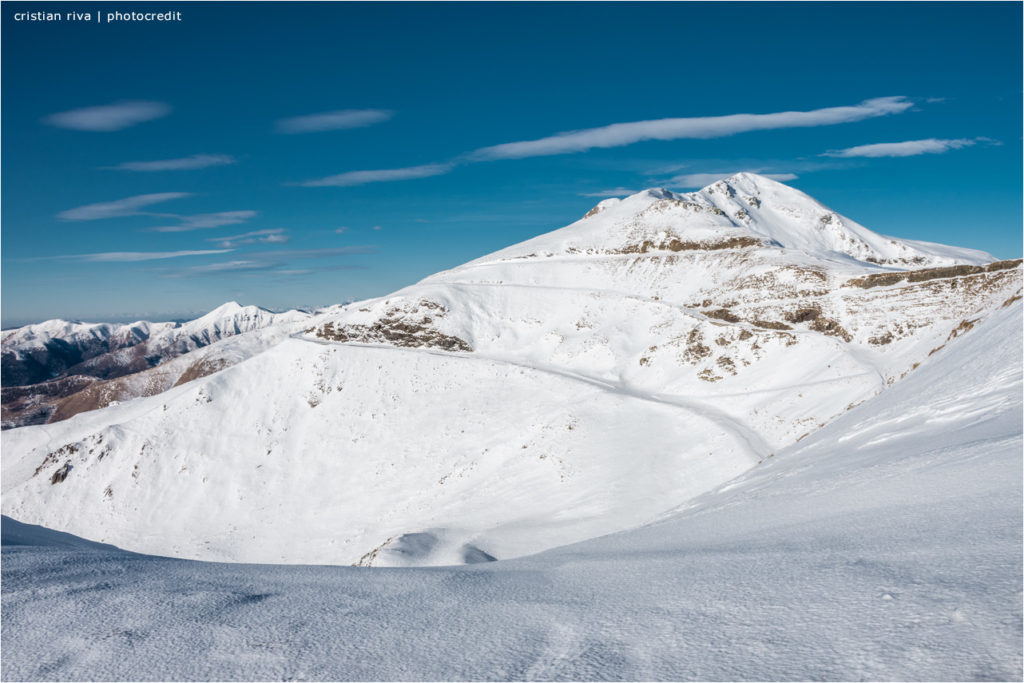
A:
231	99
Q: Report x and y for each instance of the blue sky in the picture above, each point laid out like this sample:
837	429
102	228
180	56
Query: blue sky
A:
303	154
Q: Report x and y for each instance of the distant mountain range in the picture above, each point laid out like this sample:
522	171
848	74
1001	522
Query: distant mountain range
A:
56	369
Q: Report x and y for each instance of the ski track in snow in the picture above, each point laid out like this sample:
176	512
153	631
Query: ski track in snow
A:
754	440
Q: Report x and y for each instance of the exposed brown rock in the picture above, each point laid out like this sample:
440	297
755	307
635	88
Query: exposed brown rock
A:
723	314
923	274
399	327
61	474
675	244
770	325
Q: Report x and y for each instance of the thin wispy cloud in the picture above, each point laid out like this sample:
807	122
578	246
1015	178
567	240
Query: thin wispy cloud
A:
379	176
222	267
333	120
705	179
342	230
909	148
128	206
132	256
109	117
204	221
614	192
277	262
621	134
184	164
273	236
321	253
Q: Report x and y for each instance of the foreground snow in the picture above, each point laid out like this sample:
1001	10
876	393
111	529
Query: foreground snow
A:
885	546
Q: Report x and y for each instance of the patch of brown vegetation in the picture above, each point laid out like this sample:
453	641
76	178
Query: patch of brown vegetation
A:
964	327
93	397
202	368
695	349
708	376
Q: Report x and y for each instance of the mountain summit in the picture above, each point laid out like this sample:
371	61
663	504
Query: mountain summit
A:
575	384
743	207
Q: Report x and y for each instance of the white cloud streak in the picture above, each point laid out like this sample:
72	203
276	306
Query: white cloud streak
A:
705	179
184	164
131	256
379	176
333	120
273	236
109	117
620	134
224	267
203	221
909	148
614	192
122	207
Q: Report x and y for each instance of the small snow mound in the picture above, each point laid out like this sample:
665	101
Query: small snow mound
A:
436	547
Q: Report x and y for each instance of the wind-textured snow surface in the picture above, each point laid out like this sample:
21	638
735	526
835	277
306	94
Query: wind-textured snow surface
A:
887	545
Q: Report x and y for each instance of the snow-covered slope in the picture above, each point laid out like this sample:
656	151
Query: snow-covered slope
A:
577	384
887	546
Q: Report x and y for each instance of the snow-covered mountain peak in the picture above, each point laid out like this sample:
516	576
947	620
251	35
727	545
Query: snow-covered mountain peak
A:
231	309
752	183
744	211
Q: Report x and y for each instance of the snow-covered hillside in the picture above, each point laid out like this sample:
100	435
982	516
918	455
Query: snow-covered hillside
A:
886	546
577	384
